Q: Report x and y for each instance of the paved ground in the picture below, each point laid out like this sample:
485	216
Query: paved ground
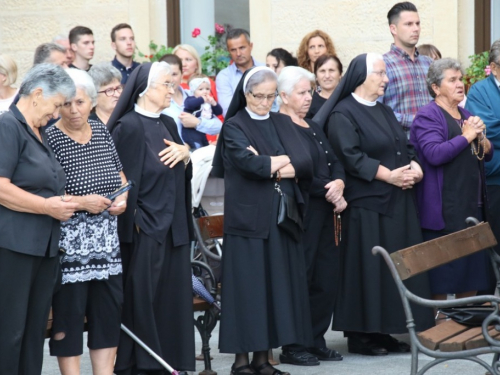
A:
351	365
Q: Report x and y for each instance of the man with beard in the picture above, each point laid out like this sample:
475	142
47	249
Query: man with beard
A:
406	69
123	42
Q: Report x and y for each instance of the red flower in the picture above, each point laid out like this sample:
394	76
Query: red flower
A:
195	32
219	29
151	56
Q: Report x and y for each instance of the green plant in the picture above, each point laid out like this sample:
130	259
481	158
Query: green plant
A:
157	52
215	58
478	69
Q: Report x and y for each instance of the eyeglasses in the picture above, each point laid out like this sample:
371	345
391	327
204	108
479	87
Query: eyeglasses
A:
111	90
170	85
261	97
380	73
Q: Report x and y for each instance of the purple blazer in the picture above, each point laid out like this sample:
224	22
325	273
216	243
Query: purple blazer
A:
429	135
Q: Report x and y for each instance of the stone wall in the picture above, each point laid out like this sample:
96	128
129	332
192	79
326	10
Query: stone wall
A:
25	24
358	26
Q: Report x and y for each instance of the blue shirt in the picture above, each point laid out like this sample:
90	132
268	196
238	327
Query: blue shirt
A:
123	69
226	83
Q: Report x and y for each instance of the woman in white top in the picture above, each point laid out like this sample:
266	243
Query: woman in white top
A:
8	76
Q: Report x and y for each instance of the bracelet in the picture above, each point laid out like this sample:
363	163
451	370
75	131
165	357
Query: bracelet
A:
278	178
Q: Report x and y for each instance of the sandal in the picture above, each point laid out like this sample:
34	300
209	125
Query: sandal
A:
240	370
261	367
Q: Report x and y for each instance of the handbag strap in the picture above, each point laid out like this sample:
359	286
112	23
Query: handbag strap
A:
277	187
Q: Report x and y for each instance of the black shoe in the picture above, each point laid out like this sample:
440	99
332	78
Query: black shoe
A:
391	344
325	354
301	358
242	370
365	347
271	370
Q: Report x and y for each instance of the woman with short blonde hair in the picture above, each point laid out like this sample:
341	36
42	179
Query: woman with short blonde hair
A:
8	76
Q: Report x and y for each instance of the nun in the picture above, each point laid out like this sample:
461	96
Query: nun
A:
381	170
264	282
155	230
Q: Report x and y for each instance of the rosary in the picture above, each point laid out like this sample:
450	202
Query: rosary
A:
480	145
337	225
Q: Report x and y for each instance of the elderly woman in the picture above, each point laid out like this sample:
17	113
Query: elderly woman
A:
325	198
210	126
312	46
8	76
32	204
328	70
483	99
107	81
452	147
381	170
260	155
155	230
91	265
278	58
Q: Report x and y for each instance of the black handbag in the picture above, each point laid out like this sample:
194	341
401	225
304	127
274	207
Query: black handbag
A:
470	315
289	217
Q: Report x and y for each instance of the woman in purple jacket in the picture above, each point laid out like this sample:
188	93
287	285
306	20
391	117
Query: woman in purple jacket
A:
452	147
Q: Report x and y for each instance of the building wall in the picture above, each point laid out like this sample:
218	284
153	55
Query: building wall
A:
25	24
358	26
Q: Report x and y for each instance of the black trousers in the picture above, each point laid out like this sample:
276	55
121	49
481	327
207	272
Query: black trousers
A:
322	264
26	287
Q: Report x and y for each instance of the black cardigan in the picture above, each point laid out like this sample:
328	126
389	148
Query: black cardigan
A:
249	187
130	144
362	144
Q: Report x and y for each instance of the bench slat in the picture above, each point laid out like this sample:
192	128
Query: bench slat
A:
428	255
480	341
442	332
457	343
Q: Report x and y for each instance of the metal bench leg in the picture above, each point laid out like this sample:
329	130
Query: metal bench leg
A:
205	325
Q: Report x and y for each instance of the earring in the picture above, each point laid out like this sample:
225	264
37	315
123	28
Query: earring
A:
35	104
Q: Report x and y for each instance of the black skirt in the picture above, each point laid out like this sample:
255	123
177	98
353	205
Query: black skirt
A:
368	299
264	292
158	306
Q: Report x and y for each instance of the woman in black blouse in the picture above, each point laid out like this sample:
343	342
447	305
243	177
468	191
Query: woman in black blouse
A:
328	70
325	200
155	229
32	205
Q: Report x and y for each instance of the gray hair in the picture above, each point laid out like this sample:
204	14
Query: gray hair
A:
51	78
84	82
59	37
265	75
495	52
43	51
289	77
436	71
371	59
103	74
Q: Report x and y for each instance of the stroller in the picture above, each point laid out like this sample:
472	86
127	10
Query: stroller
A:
207	201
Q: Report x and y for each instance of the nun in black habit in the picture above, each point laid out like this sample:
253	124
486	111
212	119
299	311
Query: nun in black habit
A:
155	230
381	168
264	283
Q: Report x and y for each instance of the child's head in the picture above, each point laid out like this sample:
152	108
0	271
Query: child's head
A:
199	85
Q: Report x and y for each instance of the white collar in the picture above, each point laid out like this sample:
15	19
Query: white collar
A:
255	116
496	81
360	100
143	112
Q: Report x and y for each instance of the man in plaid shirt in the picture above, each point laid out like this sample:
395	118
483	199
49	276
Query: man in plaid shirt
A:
406	69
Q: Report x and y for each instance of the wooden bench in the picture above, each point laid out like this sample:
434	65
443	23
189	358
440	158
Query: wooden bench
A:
448	340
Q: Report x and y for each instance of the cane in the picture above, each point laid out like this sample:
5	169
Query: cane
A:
148	349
